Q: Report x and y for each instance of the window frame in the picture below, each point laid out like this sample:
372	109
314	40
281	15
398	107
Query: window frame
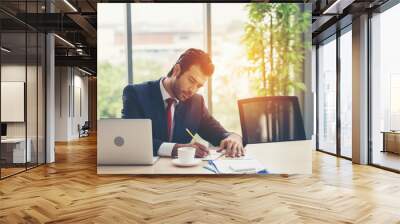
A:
379	10
338	33
28	29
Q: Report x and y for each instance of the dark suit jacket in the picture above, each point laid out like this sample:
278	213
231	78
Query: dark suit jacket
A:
145	101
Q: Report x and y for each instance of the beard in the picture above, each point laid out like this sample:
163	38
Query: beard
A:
179	93
176	90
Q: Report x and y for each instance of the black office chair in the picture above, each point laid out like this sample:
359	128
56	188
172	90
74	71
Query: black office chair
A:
271	119
84	130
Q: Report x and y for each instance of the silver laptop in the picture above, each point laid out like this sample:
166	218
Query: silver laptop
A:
125	142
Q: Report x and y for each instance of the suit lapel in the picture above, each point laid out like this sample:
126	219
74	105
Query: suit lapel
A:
179	121
159	109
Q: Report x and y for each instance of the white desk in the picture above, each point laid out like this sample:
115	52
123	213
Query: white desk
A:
18	150
294	157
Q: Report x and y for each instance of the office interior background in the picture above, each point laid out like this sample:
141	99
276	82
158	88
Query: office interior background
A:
49	75
69	56
48	82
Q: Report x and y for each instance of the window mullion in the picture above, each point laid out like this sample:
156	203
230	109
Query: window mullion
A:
207	42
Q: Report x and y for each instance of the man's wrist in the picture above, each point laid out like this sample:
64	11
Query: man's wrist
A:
174	152
227	134
234	135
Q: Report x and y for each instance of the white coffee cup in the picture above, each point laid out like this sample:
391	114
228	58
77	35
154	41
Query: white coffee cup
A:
186	154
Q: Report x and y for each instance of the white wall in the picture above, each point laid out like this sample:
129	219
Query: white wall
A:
16	73
62	81
69	85
33	127
79	117
12	73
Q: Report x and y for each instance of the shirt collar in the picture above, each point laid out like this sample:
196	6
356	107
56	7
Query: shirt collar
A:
165	95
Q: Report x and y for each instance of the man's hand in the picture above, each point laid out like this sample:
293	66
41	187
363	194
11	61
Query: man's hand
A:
233	146
201	150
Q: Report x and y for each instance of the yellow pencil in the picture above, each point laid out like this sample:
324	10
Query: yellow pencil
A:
190	133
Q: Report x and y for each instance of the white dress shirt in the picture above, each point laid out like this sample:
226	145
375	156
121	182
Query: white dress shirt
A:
166	147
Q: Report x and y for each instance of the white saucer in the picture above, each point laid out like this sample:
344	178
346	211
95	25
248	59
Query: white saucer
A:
195	162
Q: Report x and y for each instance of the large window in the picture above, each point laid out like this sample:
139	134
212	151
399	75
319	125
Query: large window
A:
385	84
239	31
22	87
112	58
327	95
230	83
346	93
158	41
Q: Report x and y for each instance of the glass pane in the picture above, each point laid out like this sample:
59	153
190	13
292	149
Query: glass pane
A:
21	90
41	99
13	72
385	89
346	94
157	44
31	98
32	90
228	22
327	97
242	70
158	41
111	28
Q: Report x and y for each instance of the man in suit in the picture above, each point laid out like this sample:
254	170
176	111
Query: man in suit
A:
173	105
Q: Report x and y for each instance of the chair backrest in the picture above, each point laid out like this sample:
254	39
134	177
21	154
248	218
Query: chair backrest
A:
271	119
86	124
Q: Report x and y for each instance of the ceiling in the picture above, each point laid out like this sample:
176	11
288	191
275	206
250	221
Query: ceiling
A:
331	15
76	22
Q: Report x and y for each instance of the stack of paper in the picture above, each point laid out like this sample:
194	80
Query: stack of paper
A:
246	156
214	154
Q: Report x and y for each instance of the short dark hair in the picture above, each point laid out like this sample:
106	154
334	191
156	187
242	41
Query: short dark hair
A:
193	56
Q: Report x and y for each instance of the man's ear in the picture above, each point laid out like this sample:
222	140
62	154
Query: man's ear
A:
176	71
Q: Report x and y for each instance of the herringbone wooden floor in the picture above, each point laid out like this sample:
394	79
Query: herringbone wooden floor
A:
69	191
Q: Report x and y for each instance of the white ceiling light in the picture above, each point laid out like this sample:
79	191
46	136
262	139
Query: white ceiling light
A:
70	5
5	50
65	41
337	7
84	71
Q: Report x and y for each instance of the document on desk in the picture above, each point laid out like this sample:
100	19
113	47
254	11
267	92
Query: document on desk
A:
238	166
213	155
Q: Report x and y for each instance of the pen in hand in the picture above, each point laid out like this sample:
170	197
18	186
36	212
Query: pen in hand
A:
201	147
190	133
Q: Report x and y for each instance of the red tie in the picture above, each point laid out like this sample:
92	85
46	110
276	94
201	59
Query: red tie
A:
170	102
